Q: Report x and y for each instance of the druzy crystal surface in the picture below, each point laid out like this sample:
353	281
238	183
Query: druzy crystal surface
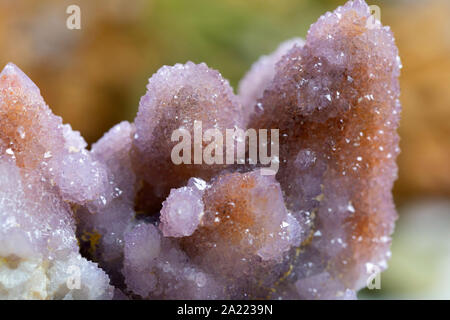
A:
44	167
134	224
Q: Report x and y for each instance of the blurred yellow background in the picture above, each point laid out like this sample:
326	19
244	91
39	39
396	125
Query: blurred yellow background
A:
94	78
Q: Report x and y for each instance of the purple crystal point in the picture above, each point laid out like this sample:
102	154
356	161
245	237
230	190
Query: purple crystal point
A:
182	211
176	98
337	107
38	141
38	248
261	74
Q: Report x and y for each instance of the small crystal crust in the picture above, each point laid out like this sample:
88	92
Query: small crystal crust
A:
129	222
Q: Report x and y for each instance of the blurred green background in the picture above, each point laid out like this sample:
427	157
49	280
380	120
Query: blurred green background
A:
94	78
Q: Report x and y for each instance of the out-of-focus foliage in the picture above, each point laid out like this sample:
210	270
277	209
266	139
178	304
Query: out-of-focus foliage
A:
422	30
87	76
420	264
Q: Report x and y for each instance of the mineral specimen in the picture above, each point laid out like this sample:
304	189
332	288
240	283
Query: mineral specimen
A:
223	231
177	97
261	74
43	166
338	109
104	227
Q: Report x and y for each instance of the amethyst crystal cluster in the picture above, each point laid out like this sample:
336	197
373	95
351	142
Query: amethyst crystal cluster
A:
149	228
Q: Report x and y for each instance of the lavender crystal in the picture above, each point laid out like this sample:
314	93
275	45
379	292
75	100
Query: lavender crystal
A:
43	166
161	230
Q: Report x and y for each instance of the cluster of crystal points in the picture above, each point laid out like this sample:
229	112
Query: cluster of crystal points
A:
135	225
